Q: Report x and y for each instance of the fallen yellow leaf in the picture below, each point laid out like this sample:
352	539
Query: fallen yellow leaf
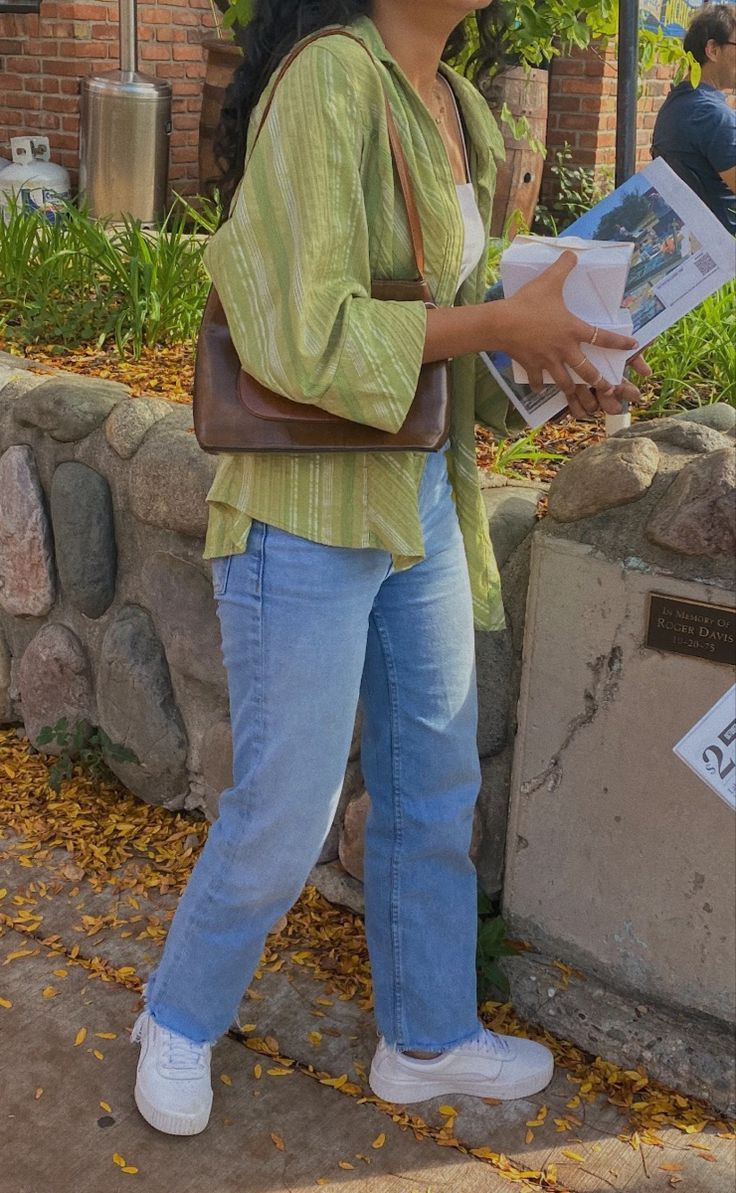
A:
118	1159
129	1168
573	1155
278	1141
80	1037
18	953
345	1164
225	1079
106	1107
38	1092
379	1141
96	1052
484	1153
5	1002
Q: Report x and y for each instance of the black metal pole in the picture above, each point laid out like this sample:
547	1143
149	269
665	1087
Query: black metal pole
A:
628	87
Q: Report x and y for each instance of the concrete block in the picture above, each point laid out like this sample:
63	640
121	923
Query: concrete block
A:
619	858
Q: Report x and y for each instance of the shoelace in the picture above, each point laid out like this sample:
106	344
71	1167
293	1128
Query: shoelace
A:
488	1041
180	1053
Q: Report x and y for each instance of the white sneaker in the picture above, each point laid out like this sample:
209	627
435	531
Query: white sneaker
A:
173	1090
491	1066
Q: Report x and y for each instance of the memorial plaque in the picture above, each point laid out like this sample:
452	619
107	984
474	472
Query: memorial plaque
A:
692	628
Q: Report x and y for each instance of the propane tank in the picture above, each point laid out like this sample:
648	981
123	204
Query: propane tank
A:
33	182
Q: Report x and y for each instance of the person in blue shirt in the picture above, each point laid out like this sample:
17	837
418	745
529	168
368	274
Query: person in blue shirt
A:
695	130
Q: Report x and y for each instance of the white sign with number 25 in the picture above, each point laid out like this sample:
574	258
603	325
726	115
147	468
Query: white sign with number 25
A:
709	748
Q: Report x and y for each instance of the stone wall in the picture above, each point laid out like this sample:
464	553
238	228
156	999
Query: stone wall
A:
106	606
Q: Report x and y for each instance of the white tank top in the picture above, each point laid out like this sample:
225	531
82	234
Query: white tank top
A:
475	233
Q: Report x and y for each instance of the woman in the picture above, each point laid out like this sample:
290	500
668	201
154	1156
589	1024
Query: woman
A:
339	575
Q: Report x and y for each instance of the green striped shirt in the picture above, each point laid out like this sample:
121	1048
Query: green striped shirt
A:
318	215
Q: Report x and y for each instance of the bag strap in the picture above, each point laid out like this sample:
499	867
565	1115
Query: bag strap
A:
415	227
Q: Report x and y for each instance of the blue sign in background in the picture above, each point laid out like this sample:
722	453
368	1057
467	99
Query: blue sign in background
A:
673	16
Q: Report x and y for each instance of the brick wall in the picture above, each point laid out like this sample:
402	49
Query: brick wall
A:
582	107
44	56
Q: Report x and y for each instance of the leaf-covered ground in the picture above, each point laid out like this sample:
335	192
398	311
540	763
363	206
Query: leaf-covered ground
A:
114	840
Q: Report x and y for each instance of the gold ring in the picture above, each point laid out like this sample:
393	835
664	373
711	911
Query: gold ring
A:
583	361
598	378
595	335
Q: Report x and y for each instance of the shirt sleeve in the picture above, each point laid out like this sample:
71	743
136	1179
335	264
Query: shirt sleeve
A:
292	264
715	135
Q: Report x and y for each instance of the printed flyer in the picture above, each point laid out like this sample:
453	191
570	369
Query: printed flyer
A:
682	254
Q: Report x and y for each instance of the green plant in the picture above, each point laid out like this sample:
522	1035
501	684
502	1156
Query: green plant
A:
532	34
510	453
694	363
85	744
492	945
235	13
575	188
82	280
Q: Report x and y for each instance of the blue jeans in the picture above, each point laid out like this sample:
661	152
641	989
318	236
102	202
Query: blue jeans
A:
306	630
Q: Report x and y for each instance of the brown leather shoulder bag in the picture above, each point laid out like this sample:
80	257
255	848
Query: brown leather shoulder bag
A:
234	413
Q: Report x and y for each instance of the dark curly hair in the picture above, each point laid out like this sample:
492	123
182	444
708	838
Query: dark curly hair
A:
276	27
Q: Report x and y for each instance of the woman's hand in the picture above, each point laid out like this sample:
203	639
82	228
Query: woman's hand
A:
543	335
587	401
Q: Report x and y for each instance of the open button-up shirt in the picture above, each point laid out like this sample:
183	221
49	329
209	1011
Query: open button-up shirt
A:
318	215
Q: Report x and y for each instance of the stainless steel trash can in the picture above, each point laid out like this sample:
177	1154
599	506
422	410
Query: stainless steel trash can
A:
125	135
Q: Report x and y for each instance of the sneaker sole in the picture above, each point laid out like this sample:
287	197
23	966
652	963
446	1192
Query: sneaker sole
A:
413	1089
172	1124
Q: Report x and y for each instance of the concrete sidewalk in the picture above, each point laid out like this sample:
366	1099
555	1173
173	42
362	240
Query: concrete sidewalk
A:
280	1133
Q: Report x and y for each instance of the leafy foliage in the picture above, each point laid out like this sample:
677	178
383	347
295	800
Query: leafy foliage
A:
82	280
511	453
492	945
533	34
575	188
85	744
694	363
235	12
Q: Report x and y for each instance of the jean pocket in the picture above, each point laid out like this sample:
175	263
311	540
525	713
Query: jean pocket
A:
220	573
